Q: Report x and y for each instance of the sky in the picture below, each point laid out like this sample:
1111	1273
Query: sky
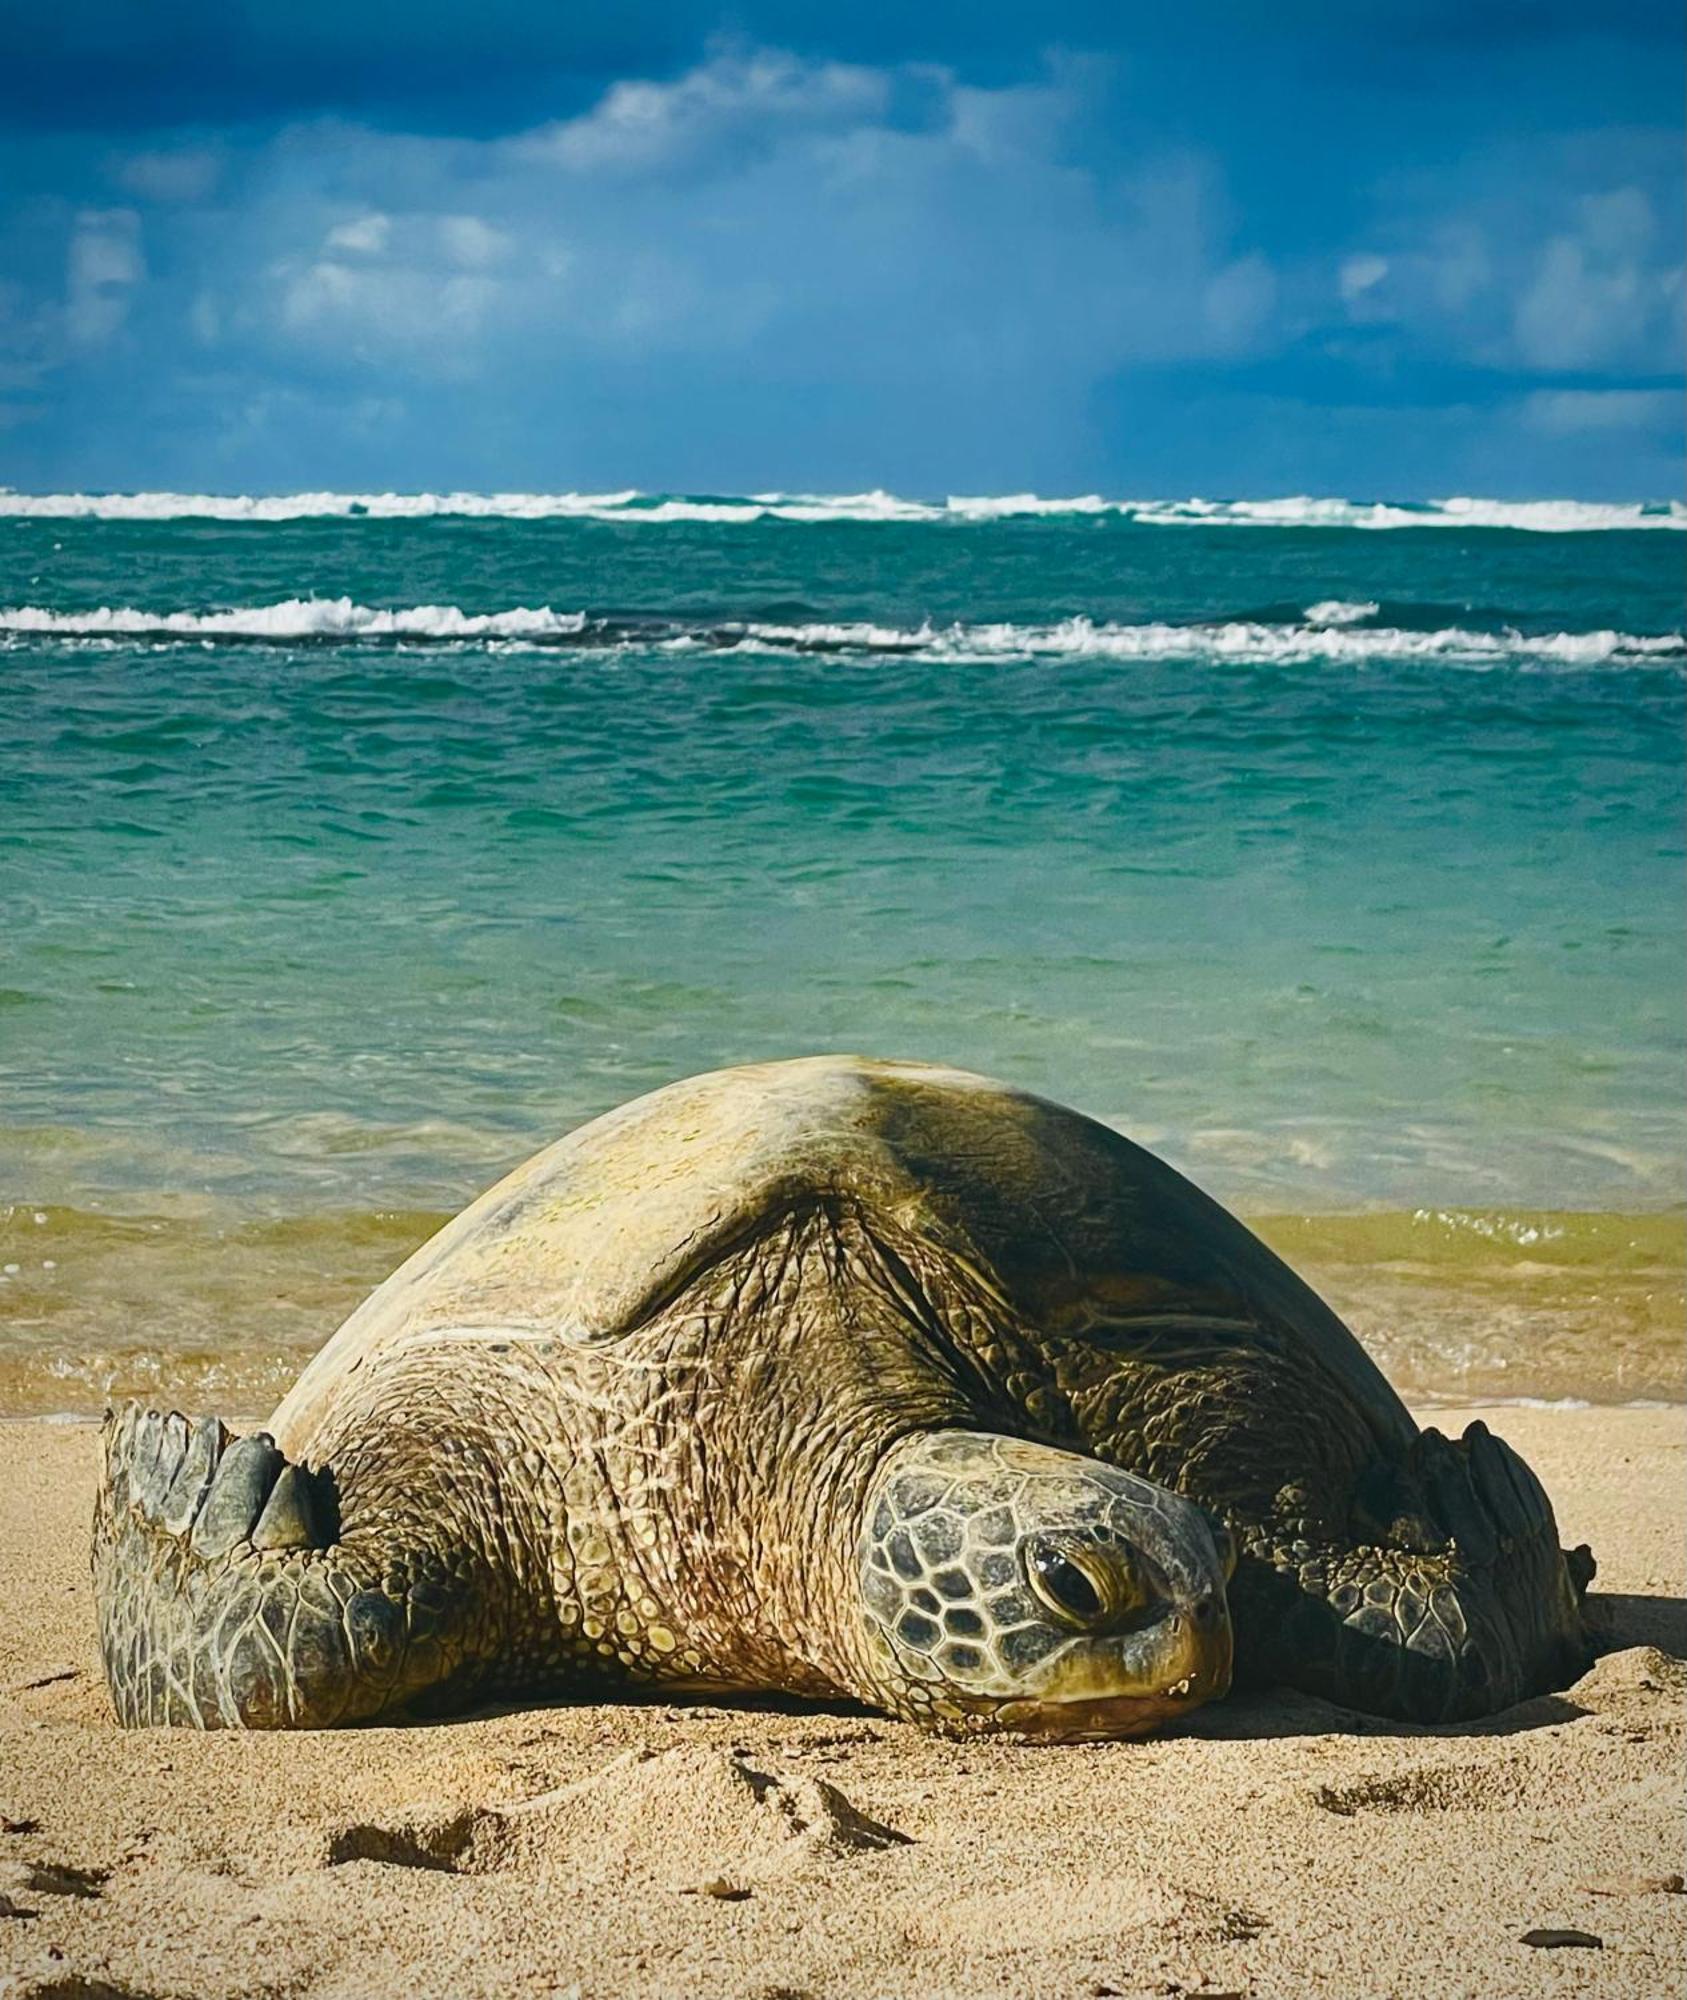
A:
1397	250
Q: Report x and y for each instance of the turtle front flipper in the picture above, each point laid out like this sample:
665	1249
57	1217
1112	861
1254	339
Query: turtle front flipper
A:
228	1597
1450	1598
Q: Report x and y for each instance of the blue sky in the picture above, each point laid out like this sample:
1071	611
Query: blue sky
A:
1382	250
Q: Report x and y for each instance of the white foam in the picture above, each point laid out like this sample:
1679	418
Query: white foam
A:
631	506
1245	641
877	505
1338	611
1497	1228
1557	517
309	506
859	636
1241	641
1006	506
297	618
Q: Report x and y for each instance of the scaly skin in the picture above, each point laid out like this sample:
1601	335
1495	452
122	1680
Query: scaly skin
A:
622	1421
1423	1581
1415	1578
685	1508
970	1540
219	1609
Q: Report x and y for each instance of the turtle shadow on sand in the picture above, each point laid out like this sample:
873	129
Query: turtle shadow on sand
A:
1255	1714
1629	1618
1278	1713
1641	1645
1618	1620
672	1704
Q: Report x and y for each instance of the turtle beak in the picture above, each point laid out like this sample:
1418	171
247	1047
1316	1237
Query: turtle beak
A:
1186	1657
1128	1684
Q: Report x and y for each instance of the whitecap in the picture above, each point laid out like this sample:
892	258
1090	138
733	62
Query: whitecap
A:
298	620
1338	611
1557	517
632	506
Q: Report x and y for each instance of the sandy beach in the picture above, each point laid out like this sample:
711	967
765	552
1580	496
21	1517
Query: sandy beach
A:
838	825
1277	1847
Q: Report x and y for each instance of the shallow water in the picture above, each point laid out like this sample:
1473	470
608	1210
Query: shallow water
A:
348	857
211	1306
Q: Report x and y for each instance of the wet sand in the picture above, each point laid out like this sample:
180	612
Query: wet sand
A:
206	1305
1278	1847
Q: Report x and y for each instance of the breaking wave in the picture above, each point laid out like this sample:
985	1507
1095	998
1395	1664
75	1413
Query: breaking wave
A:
1338	611
1330	631
298	619
631	506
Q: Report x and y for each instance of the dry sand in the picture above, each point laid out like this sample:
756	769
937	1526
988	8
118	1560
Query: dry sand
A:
1278	1847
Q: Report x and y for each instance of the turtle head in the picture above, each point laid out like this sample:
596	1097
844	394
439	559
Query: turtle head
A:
1008	1585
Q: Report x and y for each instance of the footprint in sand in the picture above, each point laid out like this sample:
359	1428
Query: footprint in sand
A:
682	1819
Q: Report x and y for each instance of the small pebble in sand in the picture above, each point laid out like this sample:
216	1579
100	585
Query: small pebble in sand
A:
720	1889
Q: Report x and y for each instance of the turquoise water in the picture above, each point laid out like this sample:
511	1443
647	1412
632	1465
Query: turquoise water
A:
307	906
346	855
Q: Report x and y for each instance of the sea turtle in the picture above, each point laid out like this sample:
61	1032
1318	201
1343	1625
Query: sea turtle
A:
832	1377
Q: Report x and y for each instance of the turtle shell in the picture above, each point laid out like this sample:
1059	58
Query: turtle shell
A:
1076	1227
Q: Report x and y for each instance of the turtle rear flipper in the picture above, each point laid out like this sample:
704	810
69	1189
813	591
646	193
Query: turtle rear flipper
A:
228	1598
1458	1599
1521	1592
1486	1499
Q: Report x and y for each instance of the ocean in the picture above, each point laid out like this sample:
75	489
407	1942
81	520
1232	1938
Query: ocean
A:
351	847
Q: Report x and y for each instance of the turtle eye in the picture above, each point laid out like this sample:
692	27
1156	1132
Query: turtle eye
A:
1061	1584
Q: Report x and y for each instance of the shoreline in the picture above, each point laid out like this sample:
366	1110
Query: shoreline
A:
650	1849
212	1306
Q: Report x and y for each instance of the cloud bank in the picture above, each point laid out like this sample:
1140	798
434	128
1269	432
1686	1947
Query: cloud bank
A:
773	268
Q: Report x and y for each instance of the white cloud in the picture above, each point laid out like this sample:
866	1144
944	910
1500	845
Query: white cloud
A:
318	292
103	266
417	288
1597	290
471	241
1460	268
365	236
808	216
1030	121
1555	260
803	268
383	309
735	98
1360	275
